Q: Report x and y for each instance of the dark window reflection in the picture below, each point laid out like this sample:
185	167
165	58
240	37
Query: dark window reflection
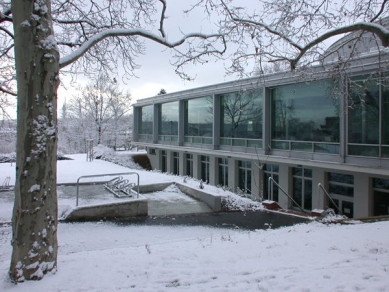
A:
305	112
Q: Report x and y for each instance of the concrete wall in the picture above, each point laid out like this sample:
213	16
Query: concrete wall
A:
214	202
120	210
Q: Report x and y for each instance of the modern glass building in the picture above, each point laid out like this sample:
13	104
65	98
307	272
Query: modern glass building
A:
304	134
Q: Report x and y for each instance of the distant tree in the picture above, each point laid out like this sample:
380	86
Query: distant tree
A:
97	113
162	91
7	136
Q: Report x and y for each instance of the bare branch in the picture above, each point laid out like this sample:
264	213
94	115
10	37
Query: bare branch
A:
161	29
65	61
379	12
2	89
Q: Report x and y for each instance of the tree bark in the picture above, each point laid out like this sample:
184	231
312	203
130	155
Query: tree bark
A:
35	214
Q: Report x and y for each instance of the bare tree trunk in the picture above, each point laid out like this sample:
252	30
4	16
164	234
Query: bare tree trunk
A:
34	219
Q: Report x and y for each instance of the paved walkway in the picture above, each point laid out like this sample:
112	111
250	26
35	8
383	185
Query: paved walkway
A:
177	211
236	220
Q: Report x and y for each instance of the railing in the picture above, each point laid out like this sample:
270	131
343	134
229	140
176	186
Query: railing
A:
313	147
241	142
320	186
270	193
5	186
102	175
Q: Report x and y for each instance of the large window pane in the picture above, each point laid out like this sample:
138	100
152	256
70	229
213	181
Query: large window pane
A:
381	196
385	112
146	125
305	112
363	104
223	171
168	118
241	114
199	117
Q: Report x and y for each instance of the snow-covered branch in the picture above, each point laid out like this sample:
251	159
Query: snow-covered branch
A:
74	56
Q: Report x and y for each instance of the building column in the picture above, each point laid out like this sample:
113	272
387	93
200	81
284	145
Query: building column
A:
343	118
213	170
362	190
266	121
136	122
169	161
197	165
233	173
181	122
156	113
284	182
255	181
216	122
182	163
319	198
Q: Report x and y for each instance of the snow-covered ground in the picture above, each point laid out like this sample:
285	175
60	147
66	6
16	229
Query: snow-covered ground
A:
112	257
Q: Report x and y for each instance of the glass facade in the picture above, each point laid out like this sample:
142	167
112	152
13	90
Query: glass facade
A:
176	163
368	125
244	176
364	116
223	171
303	117
302	187
205	168
189	164
164	161
270	170
241	118
168	121
341	189
381	197
384	118
305	112
146	124
199	120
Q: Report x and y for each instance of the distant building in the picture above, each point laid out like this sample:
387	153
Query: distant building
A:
325	129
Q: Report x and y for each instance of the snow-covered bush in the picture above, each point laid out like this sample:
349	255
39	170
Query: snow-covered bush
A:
108	154
233	202
7	157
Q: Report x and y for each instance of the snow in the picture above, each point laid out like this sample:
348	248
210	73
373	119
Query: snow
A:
106	256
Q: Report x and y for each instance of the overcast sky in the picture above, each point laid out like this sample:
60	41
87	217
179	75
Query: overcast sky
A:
156	72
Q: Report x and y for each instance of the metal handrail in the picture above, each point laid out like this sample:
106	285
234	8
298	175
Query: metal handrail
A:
270	192
101	175
320	186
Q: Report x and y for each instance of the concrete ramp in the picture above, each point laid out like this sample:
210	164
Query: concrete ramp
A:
120	210
96	203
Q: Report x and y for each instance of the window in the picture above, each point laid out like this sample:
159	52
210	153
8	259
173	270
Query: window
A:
241	117
199	120
223	171
368	125
302	187
164	161
146	124
270	170
205	168
384	117
381	196
176	163
364	111
305	112
189	164
244	172
341	190
168	120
